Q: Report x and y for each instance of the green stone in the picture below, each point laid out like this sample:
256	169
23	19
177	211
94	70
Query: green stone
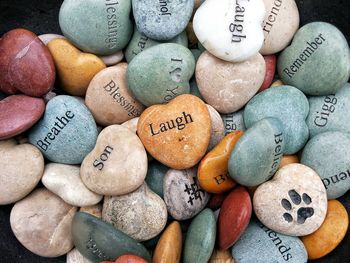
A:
155	175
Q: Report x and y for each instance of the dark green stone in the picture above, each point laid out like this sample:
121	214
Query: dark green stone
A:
155	175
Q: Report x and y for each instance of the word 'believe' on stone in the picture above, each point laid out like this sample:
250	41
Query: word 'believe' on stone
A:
169	125
277	153
111	9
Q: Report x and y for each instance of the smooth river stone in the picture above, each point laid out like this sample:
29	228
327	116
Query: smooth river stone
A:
22	167
66	133
46	38
176	134
261	244
287	104
74	256
160	73
293	203
330	113
217	128
233	121
318	60
229	86
42	223
280	24
109	99
162	20
230	29
221	256
270	62
74	68
18	113
131	124
200	238
27	62
213	169
95	210
99	241
99	27
329	155
257	154
155	176
64	180
130	259
183	196
118	163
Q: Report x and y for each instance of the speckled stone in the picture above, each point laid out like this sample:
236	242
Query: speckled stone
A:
95	210
155	176
217	128
74	256
233	121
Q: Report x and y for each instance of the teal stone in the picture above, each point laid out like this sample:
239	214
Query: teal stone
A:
140	42
259	244
193	83
200	238
328	154
330	113
233	121
99	241
318	60
155	175
67	132
290	106
196	53
98	27
160	73
257	154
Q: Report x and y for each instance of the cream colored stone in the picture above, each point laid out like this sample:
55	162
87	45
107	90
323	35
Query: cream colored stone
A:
74	256
46	38
113	59
95	210
132	124
217	127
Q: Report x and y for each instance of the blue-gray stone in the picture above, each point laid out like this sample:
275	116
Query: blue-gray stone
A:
155	175
233	121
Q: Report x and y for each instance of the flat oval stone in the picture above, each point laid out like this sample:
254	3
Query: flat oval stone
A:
109	99
221	256
271	62
42	223
200	238
64	180
234	217
99	241
287	104
155	177
18	113
171	132
74	256
329	155
257	154
261	244
330	234
66	133
162	20
229	86
156	81
118	163
27	159
233	121
217	128
105	30
213	169
27	62
230	30
182	194
318	60
293	203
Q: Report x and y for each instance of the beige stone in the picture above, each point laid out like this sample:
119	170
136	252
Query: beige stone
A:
74	256
132	124
217	128
95	210
113	59
42	223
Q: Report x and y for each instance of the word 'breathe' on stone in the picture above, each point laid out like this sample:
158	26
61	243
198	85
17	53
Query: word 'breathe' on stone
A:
169	125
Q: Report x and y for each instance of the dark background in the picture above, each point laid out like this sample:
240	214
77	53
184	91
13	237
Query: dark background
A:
41	16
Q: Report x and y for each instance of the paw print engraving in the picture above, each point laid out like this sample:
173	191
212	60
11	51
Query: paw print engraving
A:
303	213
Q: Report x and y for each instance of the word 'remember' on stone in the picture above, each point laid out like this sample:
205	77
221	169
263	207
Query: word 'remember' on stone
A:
236	28
169	125
111	9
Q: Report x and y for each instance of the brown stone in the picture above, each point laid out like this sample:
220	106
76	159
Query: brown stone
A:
221	256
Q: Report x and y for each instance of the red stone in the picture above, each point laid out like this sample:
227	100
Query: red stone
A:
216	201
234	217
18	113
130	259
26	65
270	62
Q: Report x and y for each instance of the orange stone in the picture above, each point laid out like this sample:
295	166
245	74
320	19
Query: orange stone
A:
169	246
288	159
331	232
213	169
177	134
130	259
221	256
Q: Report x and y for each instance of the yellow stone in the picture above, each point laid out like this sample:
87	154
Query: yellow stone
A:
277	83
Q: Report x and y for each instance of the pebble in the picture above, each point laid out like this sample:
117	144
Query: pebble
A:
212	173
27	62
221	256
277	83
22	167
74	256
183	196
229	86
64	180
162	20
117	165
155	177
66	133
271	62
102	27
293	203
46	38
157	81
130	259
233	121
217	128
131	124
230	30
216	201
42	223
18	113
171	132
261	244
95	210
290	106
325	52
74	68
109	99
257	154
288	159
329	155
